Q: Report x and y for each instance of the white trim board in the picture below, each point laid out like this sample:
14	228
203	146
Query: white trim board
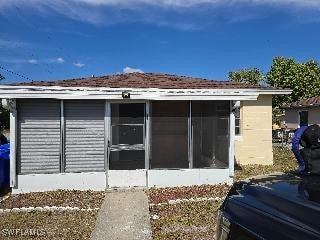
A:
127	178
135	93
187	177
120	178
70	181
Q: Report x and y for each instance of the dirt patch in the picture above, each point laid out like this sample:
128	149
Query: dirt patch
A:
50	225
194	220
61	198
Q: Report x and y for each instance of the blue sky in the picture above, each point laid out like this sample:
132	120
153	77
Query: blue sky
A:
47	40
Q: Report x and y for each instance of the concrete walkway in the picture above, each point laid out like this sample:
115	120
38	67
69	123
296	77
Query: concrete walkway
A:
124	214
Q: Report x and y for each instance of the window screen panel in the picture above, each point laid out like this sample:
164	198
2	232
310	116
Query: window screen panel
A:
127	160
127	134
210	124
169	134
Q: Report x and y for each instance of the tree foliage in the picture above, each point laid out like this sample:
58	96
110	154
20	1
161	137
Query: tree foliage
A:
303	78
249	76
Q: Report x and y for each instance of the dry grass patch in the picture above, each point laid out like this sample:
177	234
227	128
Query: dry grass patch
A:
284	161
61	198
192	220
55	225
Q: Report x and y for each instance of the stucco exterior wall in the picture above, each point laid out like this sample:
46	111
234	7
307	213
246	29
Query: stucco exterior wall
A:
314	115
254	144
292	116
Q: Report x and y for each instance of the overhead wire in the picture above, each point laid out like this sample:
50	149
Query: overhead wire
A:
14	73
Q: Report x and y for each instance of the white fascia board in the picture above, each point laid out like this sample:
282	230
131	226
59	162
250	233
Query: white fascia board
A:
136	93
133	96
275	92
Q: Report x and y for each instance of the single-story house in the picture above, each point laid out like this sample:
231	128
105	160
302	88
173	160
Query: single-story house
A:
302	112
135	130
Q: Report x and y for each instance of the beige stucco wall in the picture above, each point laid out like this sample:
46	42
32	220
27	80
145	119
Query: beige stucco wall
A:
292	116
254	145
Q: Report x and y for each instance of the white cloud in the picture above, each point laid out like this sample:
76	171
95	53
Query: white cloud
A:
60	60
78	64
134	4
154	11
132	70
33	61
6	43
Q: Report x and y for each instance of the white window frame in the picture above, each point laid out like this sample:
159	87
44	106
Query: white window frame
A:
237	109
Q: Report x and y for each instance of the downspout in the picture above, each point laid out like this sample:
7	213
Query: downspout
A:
10	104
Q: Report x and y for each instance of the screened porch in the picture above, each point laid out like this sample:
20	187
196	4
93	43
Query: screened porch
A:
169	135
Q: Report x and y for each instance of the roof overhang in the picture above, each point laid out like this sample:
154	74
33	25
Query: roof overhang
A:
301	106
56	92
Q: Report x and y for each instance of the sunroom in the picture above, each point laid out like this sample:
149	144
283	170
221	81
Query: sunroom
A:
130	130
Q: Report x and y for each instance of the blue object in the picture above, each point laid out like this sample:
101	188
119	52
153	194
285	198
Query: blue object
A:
4	166
295	147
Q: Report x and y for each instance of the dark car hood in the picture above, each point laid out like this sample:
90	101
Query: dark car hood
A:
295	199
298	188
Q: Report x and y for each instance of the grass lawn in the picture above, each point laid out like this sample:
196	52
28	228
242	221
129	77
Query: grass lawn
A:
196	220
60	198
284	161
54	225
185	220
51	225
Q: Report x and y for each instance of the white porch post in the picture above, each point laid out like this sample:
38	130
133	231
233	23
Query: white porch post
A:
190	137
107	125
147	135
232	137
62	138
11	105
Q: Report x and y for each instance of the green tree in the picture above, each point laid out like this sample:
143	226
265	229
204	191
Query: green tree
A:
250	76
303	78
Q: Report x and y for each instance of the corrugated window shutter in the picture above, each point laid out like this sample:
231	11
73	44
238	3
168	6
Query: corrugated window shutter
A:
84	135
38	136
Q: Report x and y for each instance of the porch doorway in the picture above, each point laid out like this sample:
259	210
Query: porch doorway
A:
127	145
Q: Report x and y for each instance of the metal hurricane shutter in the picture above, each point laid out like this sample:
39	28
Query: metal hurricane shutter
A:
84	135
38	136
